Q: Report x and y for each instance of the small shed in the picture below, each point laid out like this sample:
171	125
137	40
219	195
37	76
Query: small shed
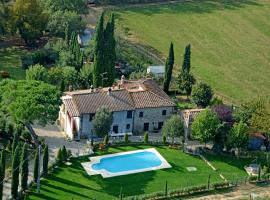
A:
157	71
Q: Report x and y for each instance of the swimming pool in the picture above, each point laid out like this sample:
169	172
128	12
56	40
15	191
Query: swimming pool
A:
126	163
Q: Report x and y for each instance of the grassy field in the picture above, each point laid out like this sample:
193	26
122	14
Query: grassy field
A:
10	60
72	182
230	40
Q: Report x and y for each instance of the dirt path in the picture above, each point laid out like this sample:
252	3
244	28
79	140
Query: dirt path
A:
242	192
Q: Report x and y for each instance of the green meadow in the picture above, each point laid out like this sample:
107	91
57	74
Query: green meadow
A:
230	40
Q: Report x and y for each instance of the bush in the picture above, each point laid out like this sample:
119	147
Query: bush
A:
59	157
4	74
146	137
220	185
106	140
64	153
164	139
26	135
253	178
126	138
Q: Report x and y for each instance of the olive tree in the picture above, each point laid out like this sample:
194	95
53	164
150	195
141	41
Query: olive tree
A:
173	127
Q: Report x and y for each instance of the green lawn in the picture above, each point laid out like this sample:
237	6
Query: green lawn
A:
72	182
10	60
230	40
230	167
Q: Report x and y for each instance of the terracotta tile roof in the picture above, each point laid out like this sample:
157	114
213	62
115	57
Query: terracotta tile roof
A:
148	99
133	94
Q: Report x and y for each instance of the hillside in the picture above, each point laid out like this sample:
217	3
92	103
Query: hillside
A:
230	40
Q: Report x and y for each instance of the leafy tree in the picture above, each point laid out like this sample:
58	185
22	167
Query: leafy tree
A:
186	63
45	160
2	172
36	164
185	82
98	66
37	72
86	76
78	6
9	129
102	121
255	114
70	77
109	51
173	127
15	173
168	69
24	167
146	137
205	126
59	20
55	76
202	94
15	142
27	101
238	136
223	112
29	19
5	16
3	123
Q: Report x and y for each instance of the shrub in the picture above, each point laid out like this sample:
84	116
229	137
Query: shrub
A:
164	139
220	185
59	156
253	178
64	153
126	138
146	137
106	140
4	74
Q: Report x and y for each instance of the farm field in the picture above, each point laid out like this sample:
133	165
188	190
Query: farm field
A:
230	41
64	182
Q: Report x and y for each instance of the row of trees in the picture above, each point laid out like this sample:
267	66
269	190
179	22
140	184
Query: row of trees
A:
20	166
201	94
31	17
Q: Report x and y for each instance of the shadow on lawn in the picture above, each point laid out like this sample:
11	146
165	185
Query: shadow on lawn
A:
193	6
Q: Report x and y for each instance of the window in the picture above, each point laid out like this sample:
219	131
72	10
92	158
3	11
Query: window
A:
91	117
140	114
129	114
160	124
163	112
128	126
146	127
115	129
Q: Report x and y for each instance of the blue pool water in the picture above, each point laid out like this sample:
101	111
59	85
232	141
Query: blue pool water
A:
128	162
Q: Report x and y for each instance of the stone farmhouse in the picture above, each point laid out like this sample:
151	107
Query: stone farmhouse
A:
137	106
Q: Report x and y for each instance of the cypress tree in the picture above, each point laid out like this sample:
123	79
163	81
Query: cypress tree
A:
59	156
24	167
186	62
45	160
109	51
98	67
168	69
64	153
15	143
2	173
15	173
36	163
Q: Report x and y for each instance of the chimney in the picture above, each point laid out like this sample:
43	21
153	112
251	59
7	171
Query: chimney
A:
109	91
122	79
91	88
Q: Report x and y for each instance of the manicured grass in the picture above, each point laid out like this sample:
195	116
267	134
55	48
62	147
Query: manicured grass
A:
230	40
230	167
72	182
10	60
